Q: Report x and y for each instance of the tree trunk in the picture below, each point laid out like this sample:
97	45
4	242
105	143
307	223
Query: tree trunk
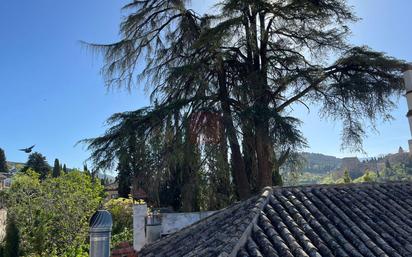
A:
238	165
263	155
257	81
249	155
190	201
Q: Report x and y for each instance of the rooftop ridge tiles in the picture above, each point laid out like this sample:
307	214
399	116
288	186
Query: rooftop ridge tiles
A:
317	210
256	201
348	185
259	206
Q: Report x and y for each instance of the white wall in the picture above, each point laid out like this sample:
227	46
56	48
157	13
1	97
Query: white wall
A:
172	222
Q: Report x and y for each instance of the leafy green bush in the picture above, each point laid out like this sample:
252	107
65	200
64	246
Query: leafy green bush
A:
52	215
125	236
122	213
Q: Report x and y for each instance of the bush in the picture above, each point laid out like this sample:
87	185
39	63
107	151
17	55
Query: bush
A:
122	213
53	215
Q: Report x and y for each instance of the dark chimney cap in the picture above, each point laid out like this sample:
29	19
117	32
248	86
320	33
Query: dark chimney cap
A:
101	219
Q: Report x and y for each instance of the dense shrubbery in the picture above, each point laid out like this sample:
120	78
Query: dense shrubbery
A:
122	213
52	215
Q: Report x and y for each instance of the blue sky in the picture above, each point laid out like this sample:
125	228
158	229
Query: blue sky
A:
52	94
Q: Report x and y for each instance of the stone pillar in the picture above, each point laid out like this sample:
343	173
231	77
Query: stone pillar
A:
408	88
100	232
139	223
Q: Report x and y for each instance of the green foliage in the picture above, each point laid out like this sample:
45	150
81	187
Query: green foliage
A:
216	185
52	215
124	236
291	170
56	169
346	177
37	162
207	72
12	239
124	177
3	163
277	178
369	176
122	214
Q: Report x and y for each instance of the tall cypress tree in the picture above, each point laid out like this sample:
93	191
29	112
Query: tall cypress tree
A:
56	168
124	176
86	170
346	177
64	168
3	163
12	239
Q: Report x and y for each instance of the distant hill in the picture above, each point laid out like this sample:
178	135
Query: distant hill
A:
110	178
15	166
319	163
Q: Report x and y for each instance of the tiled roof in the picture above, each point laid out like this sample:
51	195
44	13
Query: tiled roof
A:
362	220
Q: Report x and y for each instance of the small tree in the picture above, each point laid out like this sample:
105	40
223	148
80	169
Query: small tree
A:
65	169
86	170
12	239
3	163
346	177
368	177
38	163
56	169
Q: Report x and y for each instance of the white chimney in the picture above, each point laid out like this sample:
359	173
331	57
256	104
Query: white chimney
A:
139	223
408	87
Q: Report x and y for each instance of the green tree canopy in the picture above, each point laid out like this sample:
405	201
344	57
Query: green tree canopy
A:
124	178
3	162
244	68
56	169
38	163
122	213
346	177
52	215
